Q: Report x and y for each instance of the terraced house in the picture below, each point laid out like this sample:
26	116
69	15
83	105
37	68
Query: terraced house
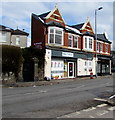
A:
70	51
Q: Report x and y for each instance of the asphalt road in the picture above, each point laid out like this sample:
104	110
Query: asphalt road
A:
54	100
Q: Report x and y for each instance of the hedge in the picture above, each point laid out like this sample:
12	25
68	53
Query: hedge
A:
11	59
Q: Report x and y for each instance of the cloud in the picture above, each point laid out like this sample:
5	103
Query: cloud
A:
19	13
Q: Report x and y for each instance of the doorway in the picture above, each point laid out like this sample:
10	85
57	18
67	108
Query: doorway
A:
70	69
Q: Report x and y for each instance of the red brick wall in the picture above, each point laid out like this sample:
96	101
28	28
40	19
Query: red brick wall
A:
79	42
65	39
37	32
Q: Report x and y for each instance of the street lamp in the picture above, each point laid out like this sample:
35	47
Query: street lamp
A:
96	38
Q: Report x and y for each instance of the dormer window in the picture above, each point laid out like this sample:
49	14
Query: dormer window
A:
55	35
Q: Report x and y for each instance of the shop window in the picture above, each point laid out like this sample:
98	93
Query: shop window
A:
55	36
70	41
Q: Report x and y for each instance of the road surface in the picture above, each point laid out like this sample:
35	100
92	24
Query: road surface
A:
52	101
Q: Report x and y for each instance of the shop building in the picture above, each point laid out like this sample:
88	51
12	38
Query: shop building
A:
69	50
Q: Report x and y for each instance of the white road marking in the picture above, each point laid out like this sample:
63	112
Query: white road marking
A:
111	108
89	109
102	105
102	113
91	116
99	99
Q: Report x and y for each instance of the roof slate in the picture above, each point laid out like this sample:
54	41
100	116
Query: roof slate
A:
78	26
42	16
4	28
19	32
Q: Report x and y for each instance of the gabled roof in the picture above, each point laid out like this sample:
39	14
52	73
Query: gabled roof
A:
88	34
4	28
78	26
42	16
19	32
53	23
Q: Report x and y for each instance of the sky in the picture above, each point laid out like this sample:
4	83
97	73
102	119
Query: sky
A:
18	14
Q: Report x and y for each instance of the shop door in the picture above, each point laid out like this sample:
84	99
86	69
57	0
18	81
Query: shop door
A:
71	69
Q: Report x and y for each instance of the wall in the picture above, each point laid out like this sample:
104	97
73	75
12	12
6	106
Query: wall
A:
23	40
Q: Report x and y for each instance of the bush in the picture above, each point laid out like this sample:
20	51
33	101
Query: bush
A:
11	59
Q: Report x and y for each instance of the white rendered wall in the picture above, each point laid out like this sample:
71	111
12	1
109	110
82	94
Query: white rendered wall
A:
48	64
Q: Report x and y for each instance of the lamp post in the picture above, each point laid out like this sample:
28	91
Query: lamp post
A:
96	38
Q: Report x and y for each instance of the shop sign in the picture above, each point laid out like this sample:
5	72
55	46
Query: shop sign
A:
67	54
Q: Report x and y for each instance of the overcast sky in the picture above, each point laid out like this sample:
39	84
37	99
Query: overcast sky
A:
18	14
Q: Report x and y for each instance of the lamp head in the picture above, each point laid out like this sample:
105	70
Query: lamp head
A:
100	8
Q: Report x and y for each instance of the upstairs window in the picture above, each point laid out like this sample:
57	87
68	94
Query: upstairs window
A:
106	48
3	37
75	41
90	43
101	47
18	40
55	35
85	42
70	41
97	46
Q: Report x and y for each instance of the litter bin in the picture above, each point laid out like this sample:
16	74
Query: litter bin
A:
91	75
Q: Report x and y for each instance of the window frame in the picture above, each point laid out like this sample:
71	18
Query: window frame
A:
75	41
3	36
70	35
54	38
18	42
87	40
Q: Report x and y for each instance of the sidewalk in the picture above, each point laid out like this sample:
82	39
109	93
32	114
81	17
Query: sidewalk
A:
51	82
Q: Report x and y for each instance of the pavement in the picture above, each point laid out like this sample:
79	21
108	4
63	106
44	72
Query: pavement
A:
50	82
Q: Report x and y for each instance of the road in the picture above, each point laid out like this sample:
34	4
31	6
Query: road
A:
52	101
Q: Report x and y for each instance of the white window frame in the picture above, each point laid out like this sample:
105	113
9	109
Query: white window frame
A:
70	35
17	40
3	35
88	38
75	41
106	48
55	28
101	47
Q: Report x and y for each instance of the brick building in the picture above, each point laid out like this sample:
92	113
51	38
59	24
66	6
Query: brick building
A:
69	50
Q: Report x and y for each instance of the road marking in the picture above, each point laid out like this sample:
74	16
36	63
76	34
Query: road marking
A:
100	99
111	108
102	105
91	116
102	113
89	109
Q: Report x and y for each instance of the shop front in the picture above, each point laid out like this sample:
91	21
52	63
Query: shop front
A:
63	63
104	65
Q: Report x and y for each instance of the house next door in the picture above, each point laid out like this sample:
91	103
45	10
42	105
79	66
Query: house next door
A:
71	69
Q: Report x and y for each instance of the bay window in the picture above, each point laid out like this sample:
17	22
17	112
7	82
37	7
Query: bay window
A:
88	43
55	35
